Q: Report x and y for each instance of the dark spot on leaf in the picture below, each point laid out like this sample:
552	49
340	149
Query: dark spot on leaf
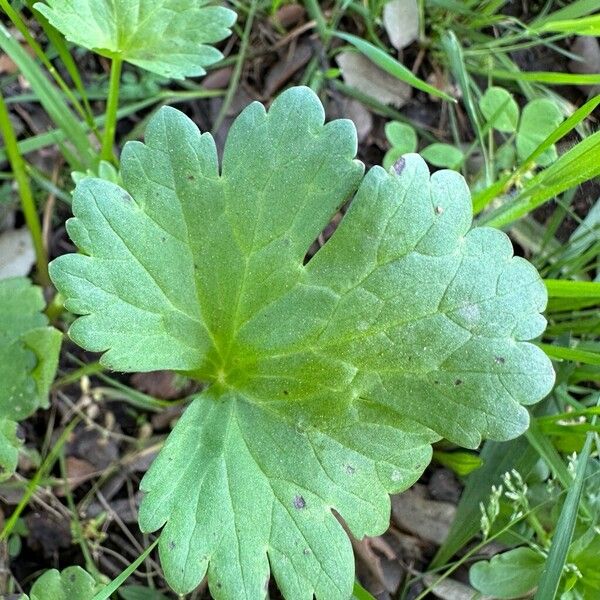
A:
499	360
219	585
191	177
436	382
72	577
350	470
172	545
399	166
458	382
285	392
125	197
163	239
299	502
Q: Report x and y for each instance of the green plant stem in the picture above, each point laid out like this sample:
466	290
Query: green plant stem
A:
237	69
37	478
26	195
112	106
79	537
316	14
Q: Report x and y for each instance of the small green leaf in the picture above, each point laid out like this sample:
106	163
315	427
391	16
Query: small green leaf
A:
443	155
9	448
499	107
539	119
28	349
169	37
462	463
328	380
401	135
403	139
70	584
512	574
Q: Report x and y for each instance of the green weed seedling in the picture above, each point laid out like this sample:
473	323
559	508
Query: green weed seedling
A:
71	584
525	131
29	351
403	140
327	380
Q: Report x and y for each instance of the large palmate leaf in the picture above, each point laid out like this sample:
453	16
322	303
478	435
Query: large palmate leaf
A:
168	37
28	350
328	381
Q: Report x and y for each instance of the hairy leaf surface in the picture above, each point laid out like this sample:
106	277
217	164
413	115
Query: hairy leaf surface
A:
169	37
328	379
28	349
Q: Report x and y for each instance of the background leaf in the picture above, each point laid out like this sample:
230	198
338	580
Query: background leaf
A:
511	574
499	107
28	349
169	37
9	448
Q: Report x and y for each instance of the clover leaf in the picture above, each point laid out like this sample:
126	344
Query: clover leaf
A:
500	108
28	349
539	119
71	584
168	37
328	380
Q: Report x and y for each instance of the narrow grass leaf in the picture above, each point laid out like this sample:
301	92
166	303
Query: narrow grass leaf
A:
574	167
390	65
573	354
558	288
548	77
583	26
482	199
118	581
563	534
52	101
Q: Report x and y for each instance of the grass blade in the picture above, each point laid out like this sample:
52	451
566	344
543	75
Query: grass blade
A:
574	167
51	100
359	593
561	541
116	583
457	66
573	354
482	199
384	61
19	170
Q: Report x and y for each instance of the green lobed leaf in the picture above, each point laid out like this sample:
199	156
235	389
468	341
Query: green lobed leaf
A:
328	381
70	584
28	349
442	155
539	119
512	574
499	107
9	448
169	37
